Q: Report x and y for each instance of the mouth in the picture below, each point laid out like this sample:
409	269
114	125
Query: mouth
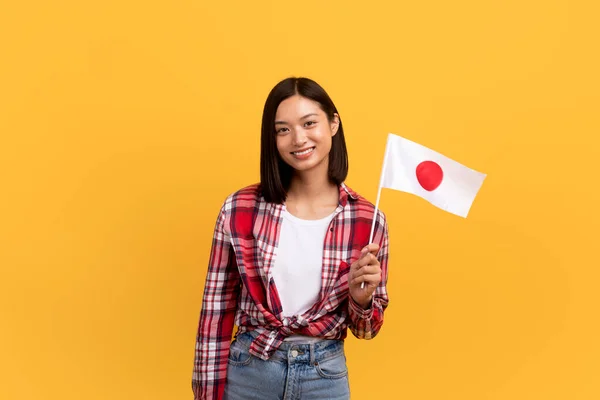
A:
305	152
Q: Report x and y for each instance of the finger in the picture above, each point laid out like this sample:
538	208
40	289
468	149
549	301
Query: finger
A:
367	270
366	274
367	260
372	248
373	279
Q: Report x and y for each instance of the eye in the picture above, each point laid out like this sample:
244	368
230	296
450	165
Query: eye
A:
281	130
310	123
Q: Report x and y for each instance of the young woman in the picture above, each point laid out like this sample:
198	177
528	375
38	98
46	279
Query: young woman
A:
290	263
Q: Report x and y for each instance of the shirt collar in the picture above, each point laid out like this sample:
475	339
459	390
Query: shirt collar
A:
345	193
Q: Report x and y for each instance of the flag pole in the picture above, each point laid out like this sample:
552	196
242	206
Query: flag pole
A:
381	175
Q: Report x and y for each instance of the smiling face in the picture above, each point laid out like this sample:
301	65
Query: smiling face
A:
304	133
302	136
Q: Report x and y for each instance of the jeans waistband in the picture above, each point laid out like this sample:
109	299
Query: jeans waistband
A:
308	352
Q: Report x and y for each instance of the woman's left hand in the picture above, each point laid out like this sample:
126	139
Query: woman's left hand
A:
365	269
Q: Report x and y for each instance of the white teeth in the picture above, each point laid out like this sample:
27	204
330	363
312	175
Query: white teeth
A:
301	153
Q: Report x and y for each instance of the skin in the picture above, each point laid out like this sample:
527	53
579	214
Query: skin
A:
300	124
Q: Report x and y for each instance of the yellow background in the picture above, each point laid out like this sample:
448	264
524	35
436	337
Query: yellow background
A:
125	124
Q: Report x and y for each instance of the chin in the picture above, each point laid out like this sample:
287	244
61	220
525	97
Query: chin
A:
304	166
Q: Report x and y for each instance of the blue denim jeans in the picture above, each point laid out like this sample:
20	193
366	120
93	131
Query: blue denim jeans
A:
294	372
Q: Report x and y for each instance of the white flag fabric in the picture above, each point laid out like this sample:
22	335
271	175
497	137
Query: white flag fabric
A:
413	168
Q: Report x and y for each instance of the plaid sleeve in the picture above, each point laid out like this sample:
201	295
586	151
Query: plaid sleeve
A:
366	323
219	305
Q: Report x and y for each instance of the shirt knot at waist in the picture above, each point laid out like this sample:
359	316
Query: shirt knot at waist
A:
266	343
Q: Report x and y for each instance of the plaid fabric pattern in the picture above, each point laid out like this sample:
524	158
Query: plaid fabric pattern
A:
240	288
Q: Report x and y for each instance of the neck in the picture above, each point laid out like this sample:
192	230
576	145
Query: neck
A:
311	185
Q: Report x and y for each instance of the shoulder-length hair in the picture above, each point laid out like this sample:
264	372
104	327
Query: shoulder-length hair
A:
275	174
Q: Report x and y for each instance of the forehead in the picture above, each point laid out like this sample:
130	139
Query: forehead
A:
296	107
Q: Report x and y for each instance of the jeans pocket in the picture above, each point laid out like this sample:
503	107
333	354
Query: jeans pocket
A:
332	368
239	355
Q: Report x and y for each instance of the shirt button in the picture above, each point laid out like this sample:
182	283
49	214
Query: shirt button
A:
294	353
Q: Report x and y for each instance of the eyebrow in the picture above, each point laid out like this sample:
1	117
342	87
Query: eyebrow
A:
306	116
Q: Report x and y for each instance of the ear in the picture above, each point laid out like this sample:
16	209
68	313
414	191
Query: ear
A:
335	124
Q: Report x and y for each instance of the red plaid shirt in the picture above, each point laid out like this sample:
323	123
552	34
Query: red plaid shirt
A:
240	288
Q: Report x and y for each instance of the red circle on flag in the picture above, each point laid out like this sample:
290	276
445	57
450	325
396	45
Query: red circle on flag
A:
429	175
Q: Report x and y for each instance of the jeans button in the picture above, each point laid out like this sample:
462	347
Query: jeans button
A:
294	353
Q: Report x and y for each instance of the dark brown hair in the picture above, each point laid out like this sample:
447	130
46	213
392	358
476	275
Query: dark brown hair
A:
275	174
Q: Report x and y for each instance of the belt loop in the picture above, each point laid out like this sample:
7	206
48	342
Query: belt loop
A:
312	353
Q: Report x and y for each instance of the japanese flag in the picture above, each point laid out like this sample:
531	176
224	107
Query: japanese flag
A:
413	168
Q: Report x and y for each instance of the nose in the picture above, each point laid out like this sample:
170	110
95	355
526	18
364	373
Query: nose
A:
299	138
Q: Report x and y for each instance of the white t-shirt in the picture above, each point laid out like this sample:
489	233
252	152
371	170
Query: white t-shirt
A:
298	265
